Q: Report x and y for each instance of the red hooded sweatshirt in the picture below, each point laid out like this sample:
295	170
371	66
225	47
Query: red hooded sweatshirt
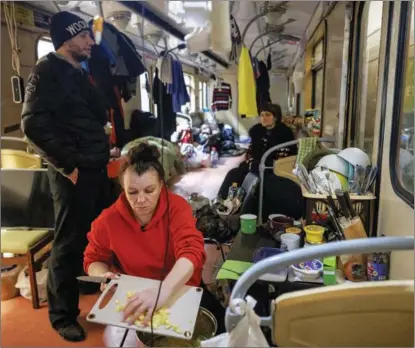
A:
117	239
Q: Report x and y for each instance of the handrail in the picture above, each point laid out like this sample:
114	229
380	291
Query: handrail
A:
356	246
21	140
262	168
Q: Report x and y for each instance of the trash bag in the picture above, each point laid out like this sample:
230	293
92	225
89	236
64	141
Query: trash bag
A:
212	226
23	284
247	332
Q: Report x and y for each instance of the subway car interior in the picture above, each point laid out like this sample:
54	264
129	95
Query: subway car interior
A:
283	129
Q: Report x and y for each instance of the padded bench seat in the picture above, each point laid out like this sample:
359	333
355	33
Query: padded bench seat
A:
19	241
29	247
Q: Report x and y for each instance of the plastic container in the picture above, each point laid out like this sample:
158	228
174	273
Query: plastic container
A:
314	233
290	241
309	270
248	223
265	252
214	157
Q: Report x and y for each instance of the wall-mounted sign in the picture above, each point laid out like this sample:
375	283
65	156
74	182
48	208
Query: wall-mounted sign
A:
24	16
28	17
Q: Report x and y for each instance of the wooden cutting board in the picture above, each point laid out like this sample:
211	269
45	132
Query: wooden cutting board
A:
183	307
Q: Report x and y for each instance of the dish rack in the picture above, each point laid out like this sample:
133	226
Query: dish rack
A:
362	204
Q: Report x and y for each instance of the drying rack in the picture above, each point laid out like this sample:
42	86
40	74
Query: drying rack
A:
262	168
357	246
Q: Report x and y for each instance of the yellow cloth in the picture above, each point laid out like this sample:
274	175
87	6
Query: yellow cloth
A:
246	86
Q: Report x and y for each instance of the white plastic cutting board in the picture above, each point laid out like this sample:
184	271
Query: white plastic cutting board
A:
183	307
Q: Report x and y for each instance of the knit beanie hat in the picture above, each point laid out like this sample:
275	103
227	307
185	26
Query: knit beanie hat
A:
64	26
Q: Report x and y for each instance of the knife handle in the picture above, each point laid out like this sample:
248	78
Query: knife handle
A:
342	202
349	203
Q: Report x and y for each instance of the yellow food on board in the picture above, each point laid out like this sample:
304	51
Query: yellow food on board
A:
160	317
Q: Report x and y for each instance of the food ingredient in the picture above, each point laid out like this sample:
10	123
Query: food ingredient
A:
160	317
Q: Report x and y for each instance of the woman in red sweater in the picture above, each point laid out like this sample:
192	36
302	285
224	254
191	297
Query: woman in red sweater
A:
131	236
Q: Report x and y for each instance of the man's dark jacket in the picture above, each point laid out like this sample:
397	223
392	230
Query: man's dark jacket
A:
64	115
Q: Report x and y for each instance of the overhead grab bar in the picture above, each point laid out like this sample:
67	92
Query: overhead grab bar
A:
262	168
277	8
356	246
266	46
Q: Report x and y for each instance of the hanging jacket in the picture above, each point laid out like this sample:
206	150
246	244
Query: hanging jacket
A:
178	89
166	110
262	86
127	60
255	65
222	97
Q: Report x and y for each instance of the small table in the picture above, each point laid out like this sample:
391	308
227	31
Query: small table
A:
243	249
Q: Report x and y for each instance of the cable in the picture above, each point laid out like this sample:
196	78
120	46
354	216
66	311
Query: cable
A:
10	17
160	116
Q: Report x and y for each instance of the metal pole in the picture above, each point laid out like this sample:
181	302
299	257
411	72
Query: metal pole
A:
356	246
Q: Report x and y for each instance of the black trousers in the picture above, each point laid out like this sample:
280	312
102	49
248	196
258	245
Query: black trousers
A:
76	206
281	195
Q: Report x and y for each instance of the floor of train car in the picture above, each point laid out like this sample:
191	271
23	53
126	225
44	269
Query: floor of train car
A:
23	326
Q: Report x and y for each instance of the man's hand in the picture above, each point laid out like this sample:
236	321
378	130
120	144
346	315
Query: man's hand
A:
73	176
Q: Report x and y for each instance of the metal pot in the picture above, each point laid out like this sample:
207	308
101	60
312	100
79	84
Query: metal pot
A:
206	327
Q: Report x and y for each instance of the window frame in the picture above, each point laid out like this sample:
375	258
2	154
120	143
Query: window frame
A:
360	43
318	67
402	53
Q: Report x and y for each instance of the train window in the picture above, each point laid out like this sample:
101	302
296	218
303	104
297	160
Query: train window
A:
43	47
368	74
317	69
404	161
203	96
189	82
145	99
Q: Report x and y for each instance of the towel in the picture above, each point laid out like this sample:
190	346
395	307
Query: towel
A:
306	146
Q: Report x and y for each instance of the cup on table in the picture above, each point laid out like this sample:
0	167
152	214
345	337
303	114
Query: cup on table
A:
277	225
248	223
290	241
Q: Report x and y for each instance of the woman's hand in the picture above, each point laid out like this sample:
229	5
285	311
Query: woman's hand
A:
108	275
143	302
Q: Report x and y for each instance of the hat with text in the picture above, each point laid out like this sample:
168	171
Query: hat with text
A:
64	26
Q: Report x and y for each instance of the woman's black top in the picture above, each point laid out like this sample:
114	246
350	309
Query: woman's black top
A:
263	139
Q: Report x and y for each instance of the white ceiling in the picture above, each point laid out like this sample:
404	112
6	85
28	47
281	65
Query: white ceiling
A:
196	13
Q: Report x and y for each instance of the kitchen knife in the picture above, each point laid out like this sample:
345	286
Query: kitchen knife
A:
342	203
349	204
91	279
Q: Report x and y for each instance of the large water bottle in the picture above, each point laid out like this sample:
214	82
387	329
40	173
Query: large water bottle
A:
214	157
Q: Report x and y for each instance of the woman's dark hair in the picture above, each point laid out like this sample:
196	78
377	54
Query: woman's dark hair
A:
142	158
274	109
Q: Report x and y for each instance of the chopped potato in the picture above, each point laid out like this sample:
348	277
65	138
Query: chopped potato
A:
160	317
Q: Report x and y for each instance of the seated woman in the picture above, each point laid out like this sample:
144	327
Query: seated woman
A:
265	135
131	237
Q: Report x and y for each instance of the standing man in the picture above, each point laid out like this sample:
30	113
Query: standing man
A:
63	119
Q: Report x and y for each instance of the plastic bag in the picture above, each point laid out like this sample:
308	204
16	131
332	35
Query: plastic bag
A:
23	284
247	332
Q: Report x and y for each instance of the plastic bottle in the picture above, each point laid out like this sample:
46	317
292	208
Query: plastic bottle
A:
214	157
233	190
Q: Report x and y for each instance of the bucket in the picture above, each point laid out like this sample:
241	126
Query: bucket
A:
248	223
205	328
314	233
